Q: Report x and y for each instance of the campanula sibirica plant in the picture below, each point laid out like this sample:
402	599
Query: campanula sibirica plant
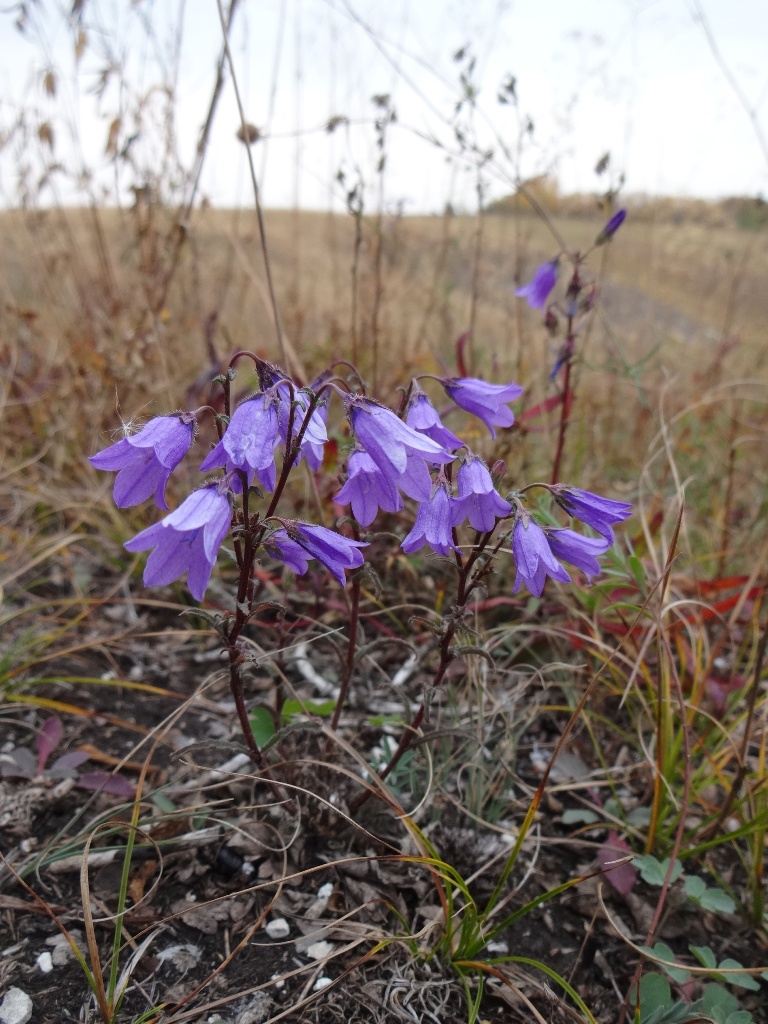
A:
405	463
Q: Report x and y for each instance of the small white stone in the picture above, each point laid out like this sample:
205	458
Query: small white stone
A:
497	947
321	983
278	928
45	962
16	1007
320	950
325	891
278	981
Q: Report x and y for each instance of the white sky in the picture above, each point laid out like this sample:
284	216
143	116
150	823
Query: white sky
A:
635	77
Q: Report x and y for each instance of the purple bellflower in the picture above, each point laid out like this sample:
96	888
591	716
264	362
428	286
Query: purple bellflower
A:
433	524
541	284
611	227
367	489
188	539
145	461
599	513
249	442
576	549
533	557
388	440
333	550
478	499
423	416
486	401
280	546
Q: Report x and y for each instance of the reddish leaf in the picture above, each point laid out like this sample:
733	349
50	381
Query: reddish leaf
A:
47	740
64	767
546	406
718	688
623	876
460	364
106	783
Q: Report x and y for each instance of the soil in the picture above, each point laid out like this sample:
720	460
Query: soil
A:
242	912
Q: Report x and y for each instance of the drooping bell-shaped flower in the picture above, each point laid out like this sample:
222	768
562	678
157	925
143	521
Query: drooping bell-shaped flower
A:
367	489
333	550
600	513
188	539
541	284
534	560
388	440
433	523
249	442
486	401
422	416
611	227
315	435
145	460
478	499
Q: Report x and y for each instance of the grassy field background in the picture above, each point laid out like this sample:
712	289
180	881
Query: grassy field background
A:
102	307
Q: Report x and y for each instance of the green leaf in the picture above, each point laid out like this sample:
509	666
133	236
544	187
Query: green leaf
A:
678	974
695	887
653	871
262	725
717	901
655	993
717	1000
640	816
742	980
637	570
291	708
739	1017
579	816
705	956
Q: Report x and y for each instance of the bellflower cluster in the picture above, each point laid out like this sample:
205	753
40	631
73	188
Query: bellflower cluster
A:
415	456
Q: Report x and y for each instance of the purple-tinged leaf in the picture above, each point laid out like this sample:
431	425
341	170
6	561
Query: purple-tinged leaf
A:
18	764
106	783
64	767
47	740
623	876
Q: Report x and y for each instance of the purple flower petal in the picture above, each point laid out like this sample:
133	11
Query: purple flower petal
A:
280	546
574	548
541	284
388	440
423	416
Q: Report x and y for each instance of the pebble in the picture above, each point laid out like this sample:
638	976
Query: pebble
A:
278	928
45	962
320	950
321	983
16	1007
